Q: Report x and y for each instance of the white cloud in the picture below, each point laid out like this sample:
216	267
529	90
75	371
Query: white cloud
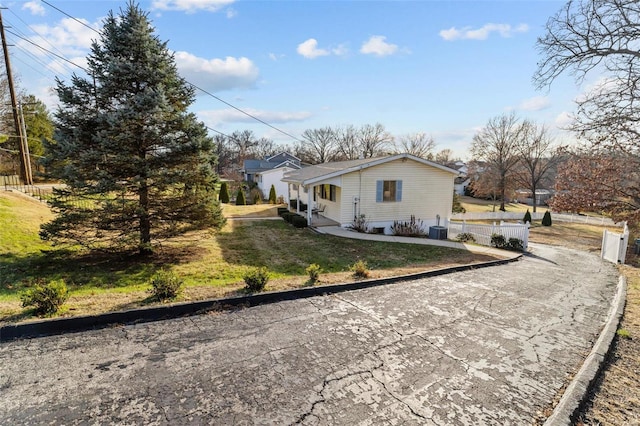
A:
564	120
217	117
537	103
70	38
309	49
275	56
376	45
35	7
217	74
191	6
482	33
231	13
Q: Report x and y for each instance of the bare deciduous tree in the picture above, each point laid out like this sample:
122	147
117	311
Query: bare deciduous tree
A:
418	144
496	146
374	140
537	157
598	36
320	145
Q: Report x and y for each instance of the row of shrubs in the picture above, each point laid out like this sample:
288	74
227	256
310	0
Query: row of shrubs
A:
255	195
293	218
47	298
497	240
546	219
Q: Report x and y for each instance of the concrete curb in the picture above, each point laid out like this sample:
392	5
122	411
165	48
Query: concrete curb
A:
576	393
156	313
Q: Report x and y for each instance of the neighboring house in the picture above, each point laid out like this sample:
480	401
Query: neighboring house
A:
270	171
461	184
383	189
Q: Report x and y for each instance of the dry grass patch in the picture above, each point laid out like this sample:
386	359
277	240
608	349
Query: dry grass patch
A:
251	211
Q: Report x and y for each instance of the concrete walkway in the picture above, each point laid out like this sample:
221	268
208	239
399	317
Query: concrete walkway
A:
346	233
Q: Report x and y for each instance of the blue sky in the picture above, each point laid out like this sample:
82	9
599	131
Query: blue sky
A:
439	67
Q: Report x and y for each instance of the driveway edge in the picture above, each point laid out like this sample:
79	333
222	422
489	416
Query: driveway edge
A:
577	392
156	313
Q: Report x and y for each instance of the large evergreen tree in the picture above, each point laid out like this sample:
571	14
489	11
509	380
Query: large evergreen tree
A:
126	144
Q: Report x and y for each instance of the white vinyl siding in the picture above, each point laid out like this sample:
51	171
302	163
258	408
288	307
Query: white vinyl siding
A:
426	192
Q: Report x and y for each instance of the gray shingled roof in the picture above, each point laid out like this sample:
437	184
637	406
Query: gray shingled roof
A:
326	170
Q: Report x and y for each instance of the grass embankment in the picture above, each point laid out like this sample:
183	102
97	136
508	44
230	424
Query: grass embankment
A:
211	264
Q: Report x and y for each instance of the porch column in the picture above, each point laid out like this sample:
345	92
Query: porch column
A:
309	205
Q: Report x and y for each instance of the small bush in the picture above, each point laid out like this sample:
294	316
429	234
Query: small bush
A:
624	333
457	206
224	193
240	199
466	237
411	228
256	279
514	244
314	270
165	285
360	224
498	241
299	221
282	210
527	217
255	195
272	195
360	269
546	219
287	216
45	298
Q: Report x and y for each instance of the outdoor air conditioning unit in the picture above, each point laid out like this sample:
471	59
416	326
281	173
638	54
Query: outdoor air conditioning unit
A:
438	232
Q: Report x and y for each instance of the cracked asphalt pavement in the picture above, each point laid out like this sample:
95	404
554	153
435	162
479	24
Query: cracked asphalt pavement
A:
488	346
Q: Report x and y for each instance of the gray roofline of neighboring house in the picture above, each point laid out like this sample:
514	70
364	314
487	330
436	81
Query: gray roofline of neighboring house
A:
314	174
283	152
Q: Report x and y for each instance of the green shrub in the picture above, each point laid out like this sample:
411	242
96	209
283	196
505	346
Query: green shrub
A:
527	217
255	195
498	241
165	285
299	221
411	228
272	195
360	269
314	270
240	200
457	206
287	216
45	298
466	237
546	219
515	244
224	193
282	210
256	279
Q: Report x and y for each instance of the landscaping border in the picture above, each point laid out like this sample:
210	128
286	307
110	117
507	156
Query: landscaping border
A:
157	313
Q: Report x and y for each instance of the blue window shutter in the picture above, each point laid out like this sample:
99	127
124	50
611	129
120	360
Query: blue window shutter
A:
379	191
398	190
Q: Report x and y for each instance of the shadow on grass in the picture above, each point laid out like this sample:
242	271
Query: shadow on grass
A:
81	270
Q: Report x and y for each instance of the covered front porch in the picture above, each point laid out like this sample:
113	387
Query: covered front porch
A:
319	203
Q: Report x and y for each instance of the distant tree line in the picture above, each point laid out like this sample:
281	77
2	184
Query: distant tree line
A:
324	144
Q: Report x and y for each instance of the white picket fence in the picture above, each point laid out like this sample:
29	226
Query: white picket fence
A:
560	217
614	245
482	233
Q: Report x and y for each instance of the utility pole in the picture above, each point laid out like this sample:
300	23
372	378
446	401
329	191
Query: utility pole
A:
25	165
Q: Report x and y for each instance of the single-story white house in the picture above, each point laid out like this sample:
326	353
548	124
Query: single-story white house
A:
384	189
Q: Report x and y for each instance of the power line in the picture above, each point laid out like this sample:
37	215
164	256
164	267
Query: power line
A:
46	50
193	85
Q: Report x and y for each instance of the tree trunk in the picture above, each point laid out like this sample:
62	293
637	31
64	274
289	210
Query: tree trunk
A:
145	220
533	193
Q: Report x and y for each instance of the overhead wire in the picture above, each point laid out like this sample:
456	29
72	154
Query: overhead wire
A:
193	85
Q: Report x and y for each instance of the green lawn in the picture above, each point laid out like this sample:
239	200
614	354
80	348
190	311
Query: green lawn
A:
211	264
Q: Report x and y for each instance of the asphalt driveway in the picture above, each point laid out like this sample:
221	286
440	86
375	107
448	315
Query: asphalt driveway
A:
490	346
